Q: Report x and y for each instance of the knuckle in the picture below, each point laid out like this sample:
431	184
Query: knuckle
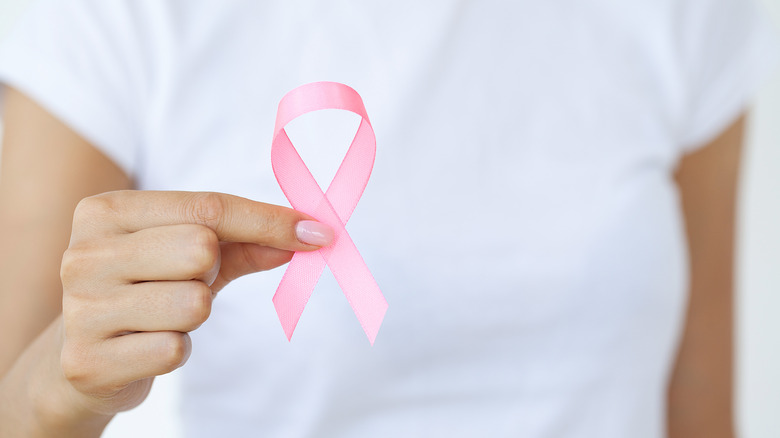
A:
74	263
206	208
274	217
174	350
85	262
76	364
272	225
198	308
204	237
94	207
204	249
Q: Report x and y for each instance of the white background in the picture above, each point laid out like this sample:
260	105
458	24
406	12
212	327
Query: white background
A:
758	281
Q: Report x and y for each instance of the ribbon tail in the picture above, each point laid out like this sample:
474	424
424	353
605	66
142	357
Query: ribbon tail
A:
296	287
357	283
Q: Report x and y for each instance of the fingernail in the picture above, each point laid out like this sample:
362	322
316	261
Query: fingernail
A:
314	233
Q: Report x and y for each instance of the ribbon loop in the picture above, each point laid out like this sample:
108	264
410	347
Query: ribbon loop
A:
334	208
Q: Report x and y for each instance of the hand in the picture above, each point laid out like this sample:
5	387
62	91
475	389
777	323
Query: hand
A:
141	271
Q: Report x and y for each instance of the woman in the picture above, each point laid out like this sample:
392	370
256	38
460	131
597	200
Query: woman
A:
538	165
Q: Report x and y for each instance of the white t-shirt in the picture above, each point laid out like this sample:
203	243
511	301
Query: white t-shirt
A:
521	220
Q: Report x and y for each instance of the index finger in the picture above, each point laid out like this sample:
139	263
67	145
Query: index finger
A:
232	218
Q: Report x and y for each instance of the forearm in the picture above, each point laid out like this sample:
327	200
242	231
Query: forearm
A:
701	387
36	400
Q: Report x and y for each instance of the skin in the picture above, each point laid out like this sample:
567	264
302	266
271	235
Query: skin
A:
124	318
140	271
701	390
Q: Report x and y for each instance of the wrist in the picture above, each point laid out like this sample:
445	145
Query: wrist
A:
37	401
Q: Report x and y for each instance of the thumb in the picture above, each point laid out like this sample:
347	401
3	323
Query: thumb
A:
239	259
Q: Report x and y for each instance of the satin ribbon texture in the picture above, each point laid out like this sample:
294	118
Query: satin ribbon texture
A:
334	208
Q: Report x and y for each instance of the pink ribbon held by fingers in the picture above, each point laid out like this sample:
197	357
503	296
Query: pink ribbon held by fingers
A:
334	207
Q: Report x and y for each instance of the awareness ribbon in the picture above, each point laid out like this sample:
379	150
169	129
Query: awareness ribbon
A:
333	208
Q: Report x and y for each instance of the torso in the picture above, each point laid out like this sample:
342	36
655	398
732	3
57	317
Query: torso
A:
521	219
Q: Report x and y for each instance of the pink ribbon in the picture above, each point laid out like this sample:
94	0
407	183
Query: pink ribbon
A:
334	208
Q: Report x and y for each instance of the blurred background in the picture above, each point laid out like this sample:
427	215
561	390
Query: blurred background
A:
758	279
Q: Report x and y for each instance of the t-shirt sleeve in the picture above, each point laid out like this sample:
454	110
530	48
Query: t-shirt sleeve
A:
726	49
79	59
